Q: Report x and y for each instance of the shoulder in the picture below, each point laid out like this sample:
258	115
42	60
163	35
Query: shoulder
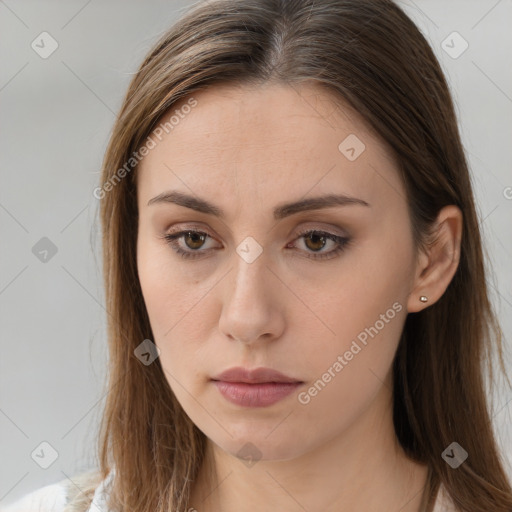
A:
443	501
74	494
48	498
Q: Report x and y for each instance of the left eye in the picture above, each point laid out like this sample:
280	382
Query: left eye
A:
317	240
314	240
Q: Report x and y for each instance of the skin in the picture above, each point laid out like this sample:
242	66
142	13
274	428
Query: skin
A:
247	150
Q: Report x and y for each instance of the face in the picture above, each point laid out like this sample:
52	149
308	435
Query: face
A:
316	291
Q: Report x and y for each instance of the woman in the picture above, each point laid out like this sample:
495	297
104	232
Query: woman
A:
298	312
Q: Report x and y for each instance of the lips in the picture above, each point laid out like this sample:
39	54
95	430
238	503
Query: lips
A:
256	376
260	387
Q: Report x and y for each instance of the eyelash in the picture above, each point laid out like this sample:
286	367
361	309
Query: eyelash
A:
342	243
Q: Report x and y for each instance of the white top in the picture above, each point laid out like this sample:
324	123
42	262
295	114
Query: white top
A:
52	498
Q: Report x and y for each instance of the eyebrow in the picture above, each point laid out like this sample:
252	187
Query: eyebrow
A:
280	211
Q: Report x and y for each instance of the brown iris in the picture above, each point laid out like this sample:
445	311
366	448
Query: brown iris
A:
314	238
197	238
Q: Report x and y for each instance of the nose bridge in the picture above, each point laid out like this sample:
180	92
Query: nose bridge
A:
249	309
250	279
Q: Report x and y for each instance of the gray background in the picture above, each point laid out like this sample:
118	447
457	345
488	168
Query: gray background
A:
57	114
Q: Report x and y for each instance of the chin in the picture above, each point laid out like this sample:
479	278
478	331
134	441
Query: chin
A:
251	446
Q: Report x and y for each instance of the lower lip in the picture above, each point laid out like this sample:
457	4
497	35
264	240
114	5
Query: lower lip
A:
255	395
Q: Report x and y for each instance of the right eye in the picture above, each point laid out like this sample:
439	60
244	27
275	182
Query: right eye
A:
193	241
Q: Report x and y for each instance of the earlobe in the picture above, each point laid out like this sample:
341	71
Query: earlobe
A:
436	268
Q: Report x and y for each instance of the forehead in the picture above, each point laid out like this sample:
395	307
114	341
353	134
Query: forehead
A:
267	114
268	139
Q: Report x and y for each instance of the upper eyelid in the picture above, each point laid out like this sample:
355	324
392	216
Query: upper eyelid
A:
334	230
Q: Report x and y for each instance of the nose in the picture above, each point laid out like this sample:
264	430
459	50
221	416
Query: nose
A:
252	308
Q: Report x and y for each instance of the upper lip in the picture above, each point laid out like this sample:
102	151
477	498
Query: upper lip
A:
257	375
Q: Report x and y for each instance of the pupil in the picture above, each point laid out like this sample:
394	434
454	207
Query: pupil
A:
318	237
196	237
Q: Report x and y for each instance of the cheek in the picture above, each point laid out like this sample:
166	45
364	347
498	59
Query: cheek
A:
159	292
364	294
350	374
365	311
177	309
365	339
169	294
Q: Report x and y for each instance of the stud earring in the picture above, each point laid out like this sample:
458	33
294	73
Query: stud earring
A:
423	298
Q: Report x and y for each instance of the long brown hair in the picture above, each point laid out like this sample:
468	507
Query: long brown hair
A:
369	54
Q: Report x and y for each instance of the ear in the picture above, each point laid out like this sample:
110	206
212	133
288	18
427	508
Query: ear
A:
436	267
